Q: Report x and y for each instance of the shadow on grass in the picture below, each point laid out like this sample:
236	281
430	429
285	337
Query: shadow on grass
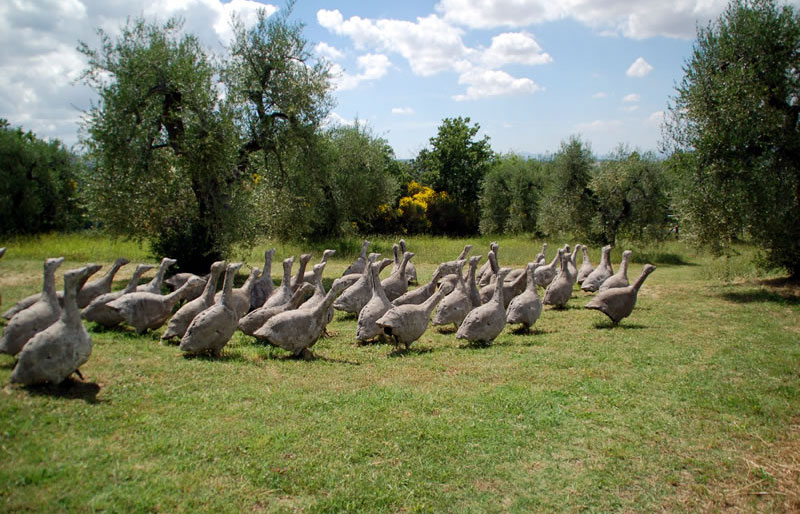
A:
522	330
400	351
781	291
447	329
622	325
661	258
69	389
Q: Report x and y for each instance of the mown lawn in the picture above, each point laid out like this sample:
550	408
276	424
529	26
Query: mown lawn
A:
692	403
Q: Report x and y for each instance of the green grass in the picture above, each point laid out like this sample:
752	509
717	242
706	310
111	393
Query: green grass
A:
690	404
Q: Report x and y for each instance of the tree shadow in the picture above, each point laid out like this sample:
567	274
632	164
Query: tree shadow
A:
69	389
779	293
609	325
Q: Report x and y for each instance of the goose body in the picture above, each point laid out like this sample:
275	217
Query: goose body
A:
360	263
327	254
154	286
449	267
396	284
102	285
211	330
454	307
586	266
284	292
527	307
620	278
603	270
559	291
422	293
545	274
484	323
411	270
59	350
98	310
618	303
256	319
367	328
406	323
356	296
488	270
263	287
145	310
472	285
35	318
180	321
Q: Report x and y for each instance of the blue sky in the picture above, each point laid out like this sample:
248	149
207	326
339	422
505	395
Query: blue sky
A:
530	72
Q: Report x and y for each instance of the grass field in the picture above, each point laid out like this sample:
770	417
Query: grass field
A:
691	404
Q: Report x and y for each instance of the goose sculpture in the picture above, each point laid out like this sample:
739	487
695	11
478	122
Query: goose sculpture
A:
177	280
559	291
360	263
35	318
620	278
411	270
488	270
154	286
618	302
98	310
263	287
211	330
472	285
326	254
526	308
422	293
102	285
256	319
180	321
298	330
241	295
404	324
301	271
484	323
603	270
454	307
586	266
449	267
546	273
58	351
284	292
396	284
144	310
356	296
367	327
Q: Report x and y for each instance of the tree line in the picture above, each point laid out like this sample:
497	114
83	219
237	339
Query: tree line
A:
195	152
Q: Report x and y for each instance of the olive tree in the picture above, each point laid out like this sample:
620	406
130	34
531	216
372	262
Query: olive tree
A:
510	198
734	128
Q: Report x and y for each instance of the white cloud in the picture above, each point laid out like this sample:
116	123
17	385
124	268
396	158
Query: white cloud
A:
598	126
514	48
599	94
640	68
372	66
632	98
655	119
484	83
402	111
335	120
329	52
630	108
631	18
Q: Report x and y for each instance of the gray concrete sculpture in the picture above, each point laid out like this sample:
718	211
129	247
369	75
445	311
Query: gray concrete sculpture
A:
102	285
422	293
559	291
527	307
298	330
406	323
367	328
586	266
411	270
472	285
254	320
319	291
177	280
618	303
356	296
488	270
263	287
546	273
211	330
180	321
241	295
55	353
98	310
284	292
35	318
301	271
511	288
454	307
449	267
154	286
620	278
601	272
396	284
326	254
360	263
484	323
144	311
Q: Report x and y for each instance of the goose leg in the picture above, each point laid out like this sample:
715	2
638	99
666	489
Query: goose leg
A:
80	375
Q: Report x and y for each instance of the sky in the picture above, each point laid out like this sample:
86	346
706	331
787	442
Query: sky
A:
531	73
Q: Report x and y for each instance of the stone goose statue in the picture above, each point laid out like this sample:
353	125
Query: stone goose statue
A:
55	353
178	279
102	285
546	273
541	258
396	284
367	328
180	321
301	271
449	267
263	287
571	262
100	313
256	319
618	303
472	285
411	270
154	286
484	323
420	294
37	317
406	323
144	310
455	306
586	266
319	293
298	330
620	278
241	295
488	270
284	291
603	270
526	307
211	330
511	288
358	293
360	263
326	254
559	291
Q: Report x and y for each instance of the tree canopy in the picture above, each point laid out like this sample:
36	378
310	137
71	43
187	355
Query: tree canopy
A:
734	126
